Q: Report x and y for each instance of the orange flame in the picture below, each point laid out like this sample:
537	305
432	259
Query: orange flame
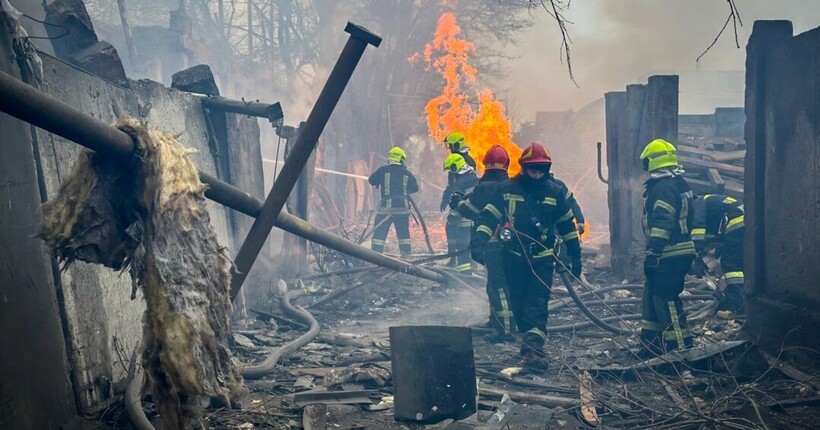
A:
448	55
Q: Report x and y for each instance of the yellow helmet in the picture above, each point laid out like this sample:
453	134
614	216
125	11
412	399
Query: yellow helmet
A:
396	155
454	162
658	154
455	141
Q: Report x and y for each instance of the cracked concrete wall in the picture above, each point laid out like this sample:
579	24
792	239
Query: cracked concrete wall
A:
783	213
35	391
104	326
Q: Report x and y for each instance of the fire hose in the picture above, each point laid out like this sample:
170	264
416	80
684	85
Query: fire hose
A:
422	223
257	371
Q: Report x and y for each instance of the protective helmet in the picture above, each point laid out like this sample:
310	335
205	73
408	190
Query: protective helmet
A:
658	154
496	158
396	155
454	162
455	141
535	156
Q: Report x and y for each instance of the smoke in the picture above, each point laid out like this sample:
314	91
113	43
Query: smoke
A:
616	43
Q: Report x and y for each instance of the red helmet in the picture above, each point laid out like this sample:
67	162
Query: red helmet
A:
496	158
535	153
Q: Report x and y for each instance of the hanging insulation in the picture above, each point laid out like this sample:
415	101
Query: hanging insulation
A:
149	216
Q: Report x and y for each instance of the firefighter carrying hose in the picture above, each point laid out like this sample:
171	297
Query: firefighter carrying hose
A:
461	179
496	162
527	210
719	225
395	184
667	218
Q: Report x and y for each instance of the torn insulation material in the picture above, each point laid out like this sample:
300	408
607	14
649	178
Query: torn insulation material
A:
149	215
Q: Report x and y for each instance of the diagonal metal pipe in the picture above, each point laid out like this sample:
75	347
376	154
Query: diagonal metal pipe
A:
306	141
31	105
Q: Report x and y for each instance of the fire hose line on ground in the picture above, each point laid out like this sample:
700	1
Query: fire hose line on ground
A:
133	396
268	364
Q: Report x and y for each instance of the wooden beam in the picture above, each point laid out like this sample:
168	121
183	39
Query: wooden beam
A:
716	180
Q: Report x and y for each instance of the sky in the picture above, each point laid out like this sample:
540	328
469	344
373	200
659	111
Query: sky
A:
620	42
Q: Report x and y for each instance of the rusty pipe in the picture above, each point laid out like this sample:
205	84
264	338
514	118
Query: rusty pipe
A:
600	172
35	107
306	141
271	112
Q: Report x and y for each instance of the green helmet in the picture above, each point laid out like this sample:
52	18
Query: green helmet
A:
396	155
658	154
454	162
455	141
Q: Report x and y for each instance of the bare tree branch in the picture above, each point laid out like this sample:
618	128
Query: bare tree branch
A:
556	9
734	18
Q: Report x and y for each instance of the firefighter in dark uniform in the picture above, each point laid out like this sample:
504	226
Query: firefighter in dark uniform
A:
395	184
461	179
719	224
668	217
527	210
496	162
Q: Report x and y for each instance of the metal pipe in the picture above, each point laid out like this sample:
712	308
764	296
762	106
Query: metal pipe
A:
305	143
273	112
31	105
600	172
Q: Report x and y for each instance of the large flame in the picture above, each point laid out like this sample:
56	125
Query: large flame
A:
448	55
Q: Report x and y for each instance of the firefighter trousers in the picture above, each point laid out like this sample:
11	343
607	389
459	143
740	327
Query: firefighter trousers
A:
458	230
502	317
663	327
530	282
382	228
731	262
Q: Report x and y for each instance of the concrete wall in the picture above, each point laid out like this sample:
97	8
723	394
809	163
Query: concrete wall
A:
35	392
102	326
783	217
633	119
725	122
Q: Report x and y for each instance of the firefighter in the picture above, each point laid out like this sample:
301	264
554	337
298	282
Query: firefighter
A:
461	179
496	162
528	210
457	144
667	218
395	184
719	225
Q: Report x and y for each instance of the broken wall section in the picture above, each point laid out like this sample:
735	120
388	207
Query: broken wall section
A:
103	325
782	186
634	118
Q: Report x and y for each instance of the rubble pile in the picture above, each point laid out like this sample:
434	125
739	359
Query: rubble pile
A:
342	379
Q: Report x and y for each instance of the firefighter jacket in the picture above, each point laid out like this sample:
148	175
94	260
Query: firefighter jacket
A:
534	214
668	216
395	184
573	204
715	214
470	207
458	182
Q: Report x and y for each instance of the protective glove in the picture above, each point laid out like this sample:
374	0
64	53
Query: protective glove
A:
650	263
443	206
576	266
581	228
455	199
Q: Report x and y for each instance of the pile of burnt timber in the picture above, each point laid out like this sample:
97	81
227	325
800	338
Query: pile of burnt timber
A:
713	164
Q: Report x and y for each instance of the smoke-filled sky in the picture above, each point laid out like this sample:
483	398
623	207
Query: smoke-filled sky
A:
619	42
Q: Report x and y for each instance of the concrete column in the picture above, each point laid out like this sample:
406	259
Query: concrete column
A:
764	35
